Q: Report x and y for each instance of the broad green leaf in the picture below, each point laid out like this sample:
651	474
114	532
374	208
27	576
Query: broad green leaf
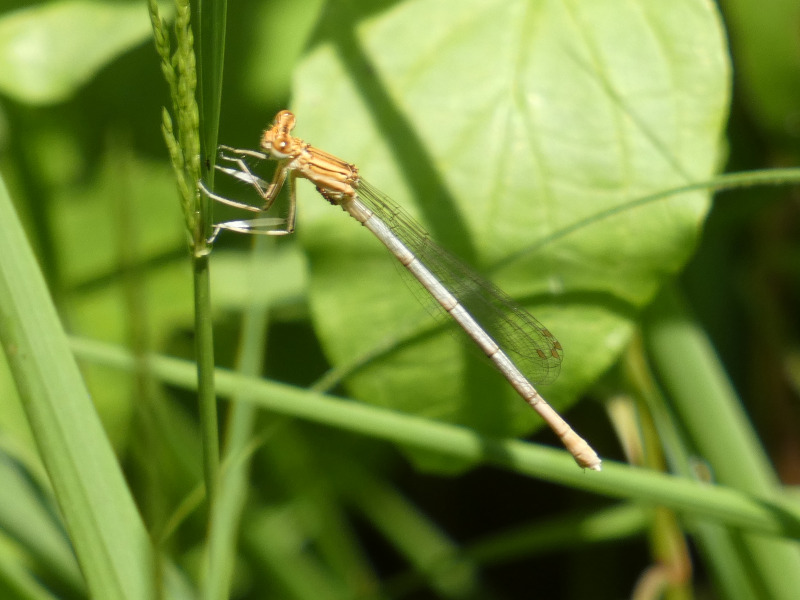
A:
50	50
500	125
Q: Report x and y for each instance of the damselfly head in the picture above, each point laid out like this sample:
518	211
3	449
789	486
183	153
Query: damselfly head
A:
277	140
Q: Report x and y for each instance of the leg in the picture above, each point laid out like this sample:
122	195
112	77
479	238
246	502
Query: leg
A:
262	225
267	192
243	173
262	188
259	226
229	152
290	218
224	200
242	170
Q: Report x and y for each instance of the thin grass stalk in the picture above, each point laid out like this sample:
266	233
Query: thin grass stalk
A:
222	539
183	143
776	516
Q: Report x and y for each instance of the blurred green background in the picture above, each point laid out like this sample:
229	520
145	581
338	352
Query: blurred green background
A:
513	131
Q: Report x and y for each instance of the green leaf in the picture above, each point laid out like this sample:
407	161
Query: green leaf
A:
49	51
500	125
108	536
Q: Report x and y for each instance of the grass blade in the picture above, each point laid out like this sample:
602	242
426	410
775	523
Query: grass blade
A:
106	530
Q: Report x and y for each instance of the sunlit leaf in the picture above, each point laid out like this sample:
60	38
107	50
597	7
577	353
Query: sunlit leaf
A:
50	50
501	125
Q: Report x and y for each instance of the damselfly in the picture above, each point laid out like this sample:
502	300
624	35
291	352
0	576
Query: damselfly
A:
497	324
